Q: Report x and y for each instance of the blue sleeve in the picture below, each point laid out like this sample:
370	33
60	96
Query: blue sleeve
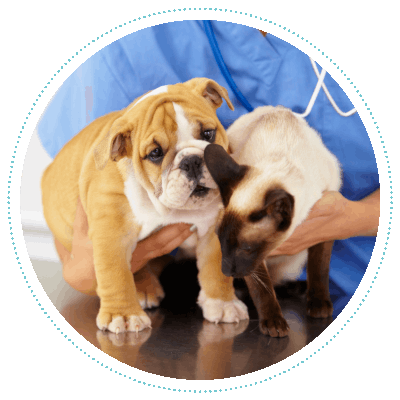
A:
90	91
122	71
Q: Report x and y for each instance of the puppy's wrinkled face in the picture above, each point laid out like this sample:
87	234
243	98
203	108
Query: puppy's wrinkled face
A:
164	134
256	217
173	156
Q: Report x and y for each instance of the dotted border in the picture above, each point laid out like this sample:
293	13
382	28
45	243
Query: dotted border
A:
141	381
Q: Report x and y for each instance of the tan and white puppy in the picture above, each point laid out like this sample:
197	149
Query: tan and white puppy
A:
279	168
157	177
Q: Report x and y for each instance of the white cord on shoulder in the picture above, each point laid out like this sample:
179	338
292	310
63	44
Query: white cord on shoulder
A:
320	84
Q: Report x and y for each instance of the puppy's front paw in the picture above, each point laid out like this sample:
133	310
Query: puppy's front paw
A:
216	310
274	326
122	323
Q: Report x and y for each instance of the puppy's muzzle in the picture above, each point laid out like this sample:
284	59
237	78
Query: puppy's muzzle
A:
193	168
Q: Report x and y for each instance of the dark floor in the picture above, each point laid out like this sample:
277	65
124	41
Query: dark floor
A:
181	344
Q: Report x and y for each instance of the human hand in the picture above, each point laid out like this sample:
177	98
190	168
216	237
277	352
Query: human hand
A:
156	245
160	243
78	266
330	218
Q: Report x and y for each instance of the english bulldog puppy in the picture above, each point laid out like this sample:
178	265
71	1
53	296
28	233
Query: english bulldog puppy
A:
136	170
278	169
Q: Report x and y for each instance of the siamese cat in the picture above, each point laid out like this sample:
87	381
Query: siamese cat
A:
278	169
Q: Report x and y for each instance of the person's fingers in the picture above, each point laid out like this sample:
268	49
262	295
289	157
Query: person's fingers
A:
176	241
165	240
162	237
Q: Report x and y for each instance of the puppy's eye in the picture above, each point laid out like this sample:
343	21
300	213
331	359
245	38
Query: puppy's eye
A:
155	155
209	135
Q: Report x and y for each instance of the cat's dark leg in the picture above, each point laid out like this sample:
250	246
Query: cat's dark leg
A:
262	292
319	303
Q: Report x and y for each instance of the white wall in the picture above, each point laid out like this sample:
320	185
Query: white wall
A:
38	238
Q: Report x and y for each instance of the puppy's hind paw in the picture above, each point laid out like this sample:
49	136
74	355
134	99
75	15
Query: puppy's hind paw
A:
149	291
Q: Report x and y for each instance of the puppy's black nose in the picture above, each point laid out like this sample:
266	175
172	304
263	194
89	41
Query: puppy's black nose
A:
191	166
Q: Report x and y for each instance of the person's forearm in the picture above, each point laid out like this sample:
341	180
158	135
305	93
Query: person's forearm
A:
80	277
364	215
77	272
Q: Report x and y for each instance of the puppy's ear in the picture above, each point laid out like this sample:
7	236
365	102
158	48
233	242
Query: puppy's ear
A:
279	204
211	91
214	93
225	171
116	145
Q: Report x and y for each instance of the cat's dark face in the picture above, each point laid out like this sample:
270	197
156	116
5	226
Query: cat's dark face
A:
257	213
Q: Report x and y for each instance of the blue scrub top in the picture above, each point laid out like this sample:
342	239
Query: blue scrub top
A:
265	71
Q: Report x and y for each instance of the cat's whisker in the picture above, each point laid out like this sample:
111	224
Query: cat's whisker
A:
261	282
262	273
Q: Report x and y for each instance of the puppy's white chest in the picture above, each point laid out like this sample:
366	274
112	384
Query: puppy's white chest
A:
149	218
203	220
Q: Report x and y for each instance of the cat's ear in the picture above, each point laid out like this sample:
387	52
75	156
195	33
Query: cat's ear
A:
279	204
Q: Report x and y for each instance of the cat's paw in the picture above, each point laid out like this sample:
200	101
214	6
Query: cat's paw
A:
217	310
274	326
319	308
